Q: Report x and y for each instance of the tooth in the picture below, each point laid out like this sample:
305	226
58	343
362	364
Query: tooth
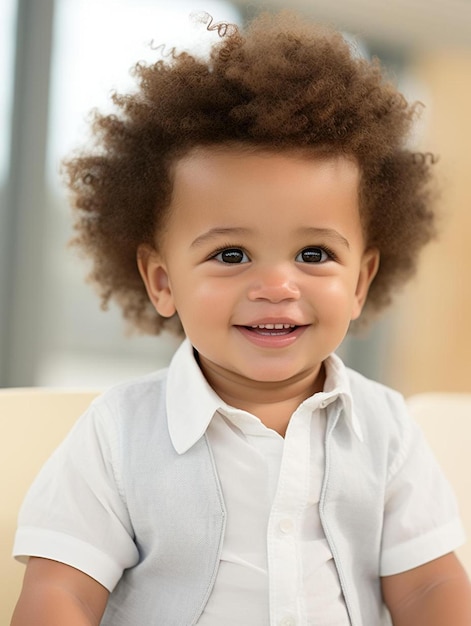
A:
273	326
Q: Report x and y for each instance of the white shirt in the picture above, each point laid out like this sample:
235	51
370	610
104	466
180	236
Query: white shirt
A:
276	561
275	565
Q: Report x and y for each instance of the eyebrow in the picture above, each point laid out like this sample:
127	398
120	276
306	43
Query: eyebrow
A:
214	233
328	233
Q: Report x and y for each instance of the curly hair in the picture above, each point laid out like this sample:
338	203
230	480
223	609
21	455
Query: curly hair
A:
279	84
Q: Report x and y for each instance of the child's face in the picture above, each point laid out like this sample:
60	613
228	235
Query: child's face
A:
263	258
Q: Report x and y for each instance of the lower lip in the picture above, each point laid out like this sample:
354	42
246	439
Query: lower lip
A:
272	341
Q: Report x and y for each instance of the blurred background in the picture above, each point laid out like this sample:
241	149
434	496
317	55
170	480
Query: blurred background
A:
61	58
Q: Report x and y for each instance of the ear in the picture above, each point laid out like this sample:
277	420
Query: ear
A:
154	274
368	269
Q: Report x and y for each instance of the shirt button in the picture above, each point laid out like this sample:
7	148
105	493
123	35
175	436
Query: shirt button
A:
288	621
287	527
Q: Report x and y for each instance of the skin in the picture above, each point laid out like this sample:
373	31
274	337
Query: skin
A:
435	594
225	264
55	594
307	268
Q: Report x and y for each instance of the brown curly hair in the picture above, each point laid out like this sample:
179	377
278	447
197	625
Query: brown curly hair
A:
280	84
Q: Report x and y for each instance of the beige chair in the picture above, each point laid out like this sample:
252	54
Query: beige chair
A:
33	422
445	419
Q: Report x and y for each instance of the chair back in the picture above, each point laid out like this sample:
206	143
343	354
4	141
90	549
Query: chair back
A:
33	422
445	419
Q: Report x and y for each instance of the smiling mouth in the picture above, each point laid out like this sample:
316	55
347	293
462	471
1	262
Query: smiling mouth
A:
272	330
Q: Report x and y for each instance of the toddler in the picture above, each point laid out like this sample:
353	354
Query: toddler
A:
258	202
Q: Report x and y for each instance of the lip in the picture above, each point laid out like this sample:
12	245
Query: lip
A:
268	340
274	320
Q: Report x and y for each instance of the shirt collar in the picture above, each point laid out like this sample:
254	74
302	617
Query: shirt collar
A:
189	391
337	385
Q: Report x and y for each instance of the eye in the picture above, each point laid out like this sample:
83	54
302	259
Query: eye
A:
313	255
231	255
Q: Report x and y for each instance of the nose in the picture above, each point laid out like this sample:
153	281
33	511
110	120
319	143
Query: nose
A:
274	284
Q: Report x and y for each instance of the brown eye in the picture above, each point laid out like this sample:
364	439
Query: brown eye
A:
232	255
312	255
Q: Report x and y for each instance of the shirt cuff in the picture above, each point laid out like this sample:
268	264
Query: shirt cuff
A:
56	546
422	549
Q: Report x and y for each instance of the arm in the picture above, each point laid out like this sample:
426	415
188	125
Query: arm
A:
55	594
435	594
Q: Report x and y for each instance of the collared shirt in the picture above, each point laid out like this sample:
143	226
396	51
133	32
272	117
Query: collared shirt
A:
276	567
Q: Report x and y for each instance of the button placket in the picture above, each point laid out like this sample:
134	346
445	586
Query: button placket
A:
287	509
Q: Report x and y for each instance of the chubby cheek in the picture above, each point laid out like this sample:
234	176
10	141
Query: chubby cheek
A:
334	301
203	301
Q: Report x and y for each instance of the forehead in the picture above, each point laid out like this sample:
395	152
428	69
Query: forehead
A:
260	194
236	152
249	170
239	184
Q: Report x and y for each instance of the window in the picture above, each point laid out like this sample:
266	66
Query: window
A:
7	30
57	333
7	39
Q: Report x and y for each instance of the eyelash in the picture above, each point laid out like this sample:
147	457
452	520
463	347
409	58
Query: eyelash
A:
227	249
328	251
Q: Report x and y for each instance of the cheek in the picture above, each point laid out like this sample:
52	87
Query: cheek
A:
333	293
206	298
334	303
220	287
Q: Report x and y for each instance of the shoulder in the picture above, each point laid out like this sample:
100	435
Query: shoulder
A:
388	427
137	394
383	415
134	406
370	396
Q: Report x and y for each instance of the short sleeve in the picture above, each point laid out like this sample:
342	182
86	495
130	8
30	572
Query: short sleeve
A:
421	519
75	512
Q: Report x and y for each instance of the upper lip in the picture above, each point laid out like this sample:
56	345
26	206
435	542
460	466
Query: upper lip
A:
272	320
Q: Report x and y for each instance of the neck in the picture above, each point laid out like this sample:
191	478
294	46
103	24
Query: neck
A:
273	402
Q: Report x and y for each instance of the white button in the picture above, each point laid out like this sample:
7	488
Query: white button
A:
288	621
286	525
